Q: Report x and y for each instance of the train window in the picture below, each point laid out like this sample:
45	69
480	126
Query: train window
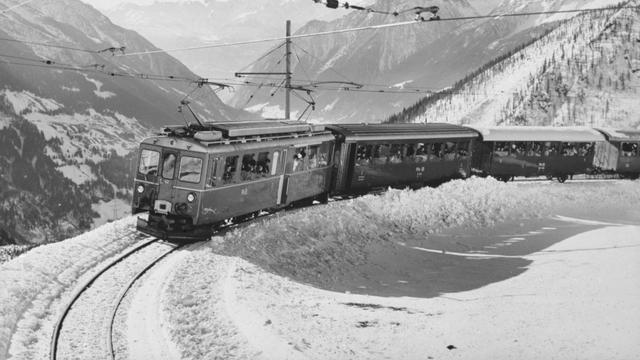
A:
381	154
463	149
410	152
190	169
323	154
213	170
264	164
230	168
518	148
248	169
169	166
585	149
149	161
363	155
436	151
449	150
300	159
501	149
395	153
629	149
274	162
312	157
569	149
550	148
421	153
535	149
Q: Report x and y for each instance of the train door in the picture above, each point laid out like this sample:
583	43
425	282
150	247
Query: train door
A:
166	182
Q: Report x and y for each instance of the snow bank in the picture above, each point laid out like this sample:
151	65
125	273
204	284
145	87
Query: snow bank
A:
324	240
234	299
34	282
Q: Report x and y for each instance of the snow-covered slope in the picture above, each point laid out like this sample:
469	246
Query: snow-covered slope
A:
585	72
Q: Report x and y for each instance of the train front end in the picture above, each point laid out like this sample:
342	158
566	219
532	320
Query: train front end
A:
168	186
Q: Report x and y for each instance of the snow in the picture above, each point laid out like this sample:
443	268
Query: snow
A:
582	313
79	174
270	111
256	291
264	290
4	121
26	101
91	130
35	284
99	93
401	85
145	322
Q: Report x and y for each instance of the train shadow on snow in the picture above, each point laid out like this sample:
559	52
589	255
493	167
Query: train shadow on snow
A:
404	267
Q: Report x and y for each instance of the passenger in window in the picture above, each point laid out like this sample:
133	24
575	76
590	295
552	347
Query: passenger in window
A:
519	148
421	153
230	169
381	154
263	167
463	150
248	169
549	149
361	156
449	151
298	160
410	151
568	149
322	159
501	149
396	154
536	149
436	151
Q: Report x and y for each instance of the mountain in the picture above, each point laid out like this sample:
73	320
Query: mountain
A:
178	24
584	72
71	115
431	55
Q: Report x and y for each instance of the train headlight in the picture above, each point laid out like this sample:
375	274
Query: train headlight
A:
140	189
191	197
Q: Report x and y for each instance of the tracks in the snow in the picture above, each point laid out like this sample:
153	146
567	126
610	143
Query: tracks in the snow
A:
85	325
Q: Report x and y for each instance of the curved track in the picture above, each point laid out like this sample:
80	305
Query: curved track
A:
155	255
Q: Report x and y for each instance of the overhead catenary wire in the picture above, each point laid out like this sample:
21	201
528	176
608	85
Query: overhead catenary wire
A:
377	27
11	8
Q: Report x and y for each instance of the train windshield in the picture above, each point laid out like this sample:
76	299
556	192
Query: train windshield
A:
149	160
190	169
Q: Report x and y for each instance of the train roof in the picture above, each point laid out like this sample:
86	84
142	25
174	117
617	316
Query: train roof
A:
200	138
620	135
381	132
539	133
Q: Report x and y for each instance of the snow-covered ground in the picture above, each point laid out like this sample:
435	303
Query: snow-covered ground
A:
261	291
494	270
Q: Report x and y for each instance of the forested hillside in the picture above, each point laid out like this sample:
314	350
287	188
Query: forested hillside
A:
586	71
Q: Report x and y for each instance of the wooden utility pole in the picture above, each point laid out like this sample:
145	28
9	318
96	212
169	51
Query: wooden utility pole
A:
287	82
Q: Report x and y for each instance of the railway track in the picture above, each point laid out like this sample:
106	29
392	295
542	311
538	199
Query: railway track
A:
85	326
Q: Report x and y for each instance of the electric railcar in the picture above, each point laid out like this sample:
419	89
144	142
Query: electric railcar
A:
192	179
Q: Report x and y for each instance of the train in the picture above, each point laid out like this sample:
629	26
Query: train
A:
193	179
